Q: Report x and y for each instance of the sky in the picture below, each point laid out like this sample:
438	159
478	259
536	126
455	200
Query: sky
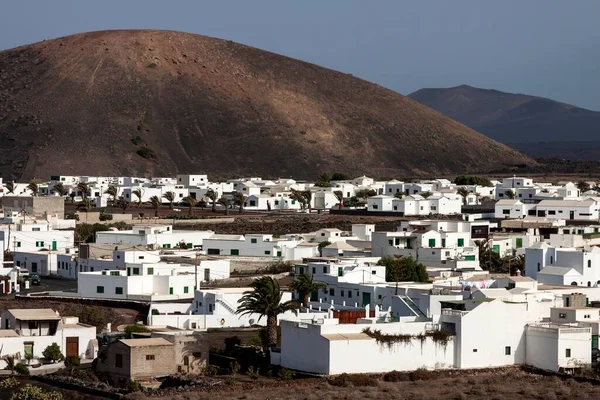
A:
549	48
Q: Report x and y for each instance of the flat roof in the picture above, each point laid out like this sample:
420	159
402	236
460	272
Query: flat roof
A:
27	314
146	342
346	336
8	333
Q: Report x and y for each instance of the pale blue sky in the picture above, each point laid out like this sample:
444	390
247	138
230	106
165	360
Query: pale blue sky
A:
542	47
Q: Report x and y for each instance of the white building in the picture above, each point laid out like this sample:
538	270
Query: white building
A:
35	237
256	245
563	266
162	236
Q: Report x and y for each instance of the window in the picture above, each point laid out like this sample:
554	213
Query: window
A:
431	242
33	324
375	207
461	242
349	294
39	244
373	272
562	315
99	289
331	292
474	350
253	241
587	316
589	263
551	212
391	242
551	260
114	273
119	360
118	290
149	357
314	270
507	351
341	293
567	352
18	244
276	202
136	271
150	271
340	271
185	289
539	267
505	212
324	270
170	290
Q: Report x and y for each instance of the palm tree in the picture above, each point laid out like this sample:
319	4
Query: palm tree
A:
34	187
299	197
10	363
155	203
123	204
265	300
191	202
239	199
170	197
426	194
139	193
60	189
85	205
10	186
112	191
305	286
510	194
225	203
212	196
339	195
464	192
84	188
307	194
399	195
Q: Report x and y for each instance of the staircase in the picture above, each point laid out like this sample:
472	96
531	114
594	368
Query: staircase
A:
226	306
412	306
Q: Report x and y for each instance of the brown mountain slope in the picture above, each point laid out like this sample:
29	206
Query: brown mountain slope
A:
89	103
514	118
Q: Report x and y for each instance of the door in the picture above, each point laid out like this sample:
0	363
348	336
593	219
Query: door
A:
366	298
28	349
206	274
72	346
572	215
54	245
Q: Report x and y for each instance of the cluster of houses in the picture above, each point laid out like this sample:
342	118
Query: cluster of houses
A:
542	315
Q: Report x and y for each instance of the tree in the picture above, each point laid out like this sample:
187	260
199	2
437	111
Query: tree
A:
135	328
510	194
469	180
225	203
33	186
155	203
213	197
53	353
72	195
338	176
583	186
239	199
305	286
297	195
403	269
489	260
10	363
323	180
123	204
139	193
321	246
339	195
10	186
60	189
365	193
191	202
265	299
425	194
113	192
86	206
84	188
399	195
307	194
464	192
170	197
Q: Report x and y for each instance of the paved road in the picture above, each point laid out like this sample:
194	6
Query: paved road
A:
52	284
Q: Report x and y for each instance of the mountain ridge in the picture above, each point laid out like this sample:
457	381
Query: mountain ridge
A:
147	102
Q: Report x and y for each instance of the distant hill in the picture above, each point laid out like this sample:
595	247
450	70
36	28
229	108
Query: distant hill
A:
519	120
158	102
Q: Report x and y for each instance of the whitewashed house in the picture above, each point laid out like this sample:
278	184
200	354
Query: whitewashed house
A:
380	203
160	236
511	208
580	209
35	237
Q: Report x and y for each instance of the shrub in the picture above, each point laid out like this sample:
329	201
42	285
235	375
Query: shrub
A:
53	353
421	374
94	315
8	383
279	267
252	373
395	376
146	152
345	380
30	392
234	367
22	369
105	217
285	374
230	381
137	140
72	361
134	386
135	328
72	216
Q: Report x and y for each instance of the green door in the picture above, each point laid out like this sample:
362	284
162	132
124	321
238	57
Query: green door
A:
444	243
496	248
594	341
519	243
54	245
28	349
461	242
366	298
170	290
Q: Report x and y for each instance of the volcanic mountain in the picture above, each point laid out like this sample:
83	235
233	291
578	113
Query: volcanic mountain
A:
535	125
157	102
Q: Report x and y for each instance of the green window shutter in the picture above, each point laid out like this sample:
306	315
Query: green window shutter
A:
189	245
496	248
276	202
118	290
235	252
170	290
185	289
431	242
253	240
99	289
150	271
519	243
340	271
461	242
136	271
54	245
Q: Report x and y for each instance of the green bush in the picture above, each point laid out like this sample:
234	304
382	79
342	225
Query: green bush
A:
30	392
135	328
94	315
72	361
8	383
105	217
345	380
285	374
137	140
22	369
146	152
395	376
253	373
53	353
230	381
134	386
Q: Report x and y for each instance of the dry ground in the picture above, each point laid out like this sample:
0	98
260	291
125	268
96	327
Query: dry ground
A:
503	384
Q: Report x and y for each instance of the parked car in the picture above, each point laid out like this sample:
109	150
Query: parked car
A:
34	279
